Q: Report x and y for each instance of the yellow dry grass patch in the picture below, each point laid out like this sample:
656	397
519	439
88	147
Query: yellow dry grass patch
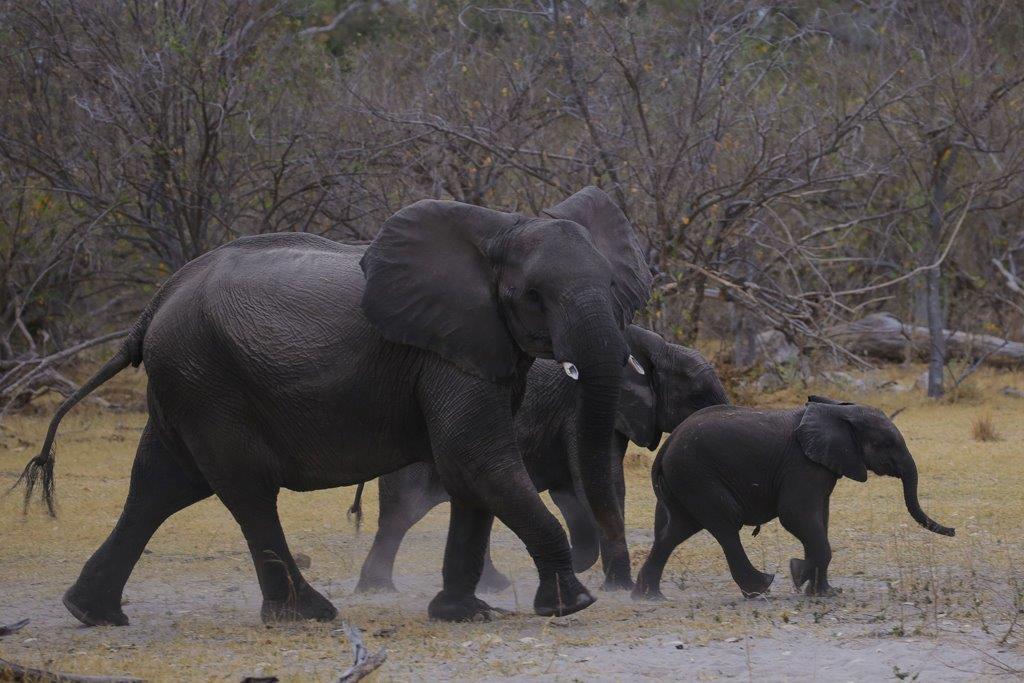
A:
983	429
194	602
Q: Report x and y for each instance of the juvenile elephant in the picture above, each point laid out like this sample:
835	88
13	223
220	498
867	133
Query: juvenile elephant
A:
675	381
726	467
288	360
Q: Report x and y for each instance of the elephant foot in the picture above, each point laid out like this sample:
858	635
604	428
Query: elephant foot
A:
467	607
825	591
378	584
797	570
559	594
759	586
307	604
617	583
802	573
644	591
493	581
92	612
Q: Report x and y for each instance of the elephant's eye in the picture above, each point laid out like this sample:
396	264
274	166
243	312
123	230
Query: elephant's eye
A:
533	296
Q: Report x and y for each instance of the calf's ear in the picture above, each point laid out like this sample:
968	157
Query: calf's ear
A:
827	437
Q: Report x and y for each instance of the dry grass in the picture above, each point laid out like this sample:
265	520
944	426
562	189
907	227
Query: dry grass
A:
193	601
983	429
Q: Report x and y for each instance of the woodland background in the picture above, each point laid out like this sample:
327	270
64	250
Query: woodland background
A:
789	165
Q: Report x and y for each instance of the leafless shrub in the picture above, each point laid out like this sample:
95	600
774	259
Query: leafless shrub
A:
789	167
983	429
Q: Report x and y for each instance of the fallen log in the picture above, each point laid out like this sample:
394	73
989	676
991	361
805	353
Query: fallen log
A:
882	335
9	671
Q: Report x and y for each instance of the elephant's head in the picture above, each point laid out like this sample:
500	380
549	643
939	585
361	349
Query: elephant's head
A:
676	382
489	291
851	439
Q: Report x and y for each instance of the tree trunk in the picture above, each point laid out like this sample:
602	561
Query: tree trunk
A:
945	157
936	339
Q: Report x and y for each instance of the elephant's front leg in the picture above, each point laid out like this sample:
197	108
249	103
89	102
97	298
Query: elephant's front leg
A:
615	554
582	525
520	508
810	527
583	532
478	460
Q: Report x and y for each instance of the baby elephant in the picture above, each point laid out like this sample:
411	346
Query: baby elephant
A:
728	466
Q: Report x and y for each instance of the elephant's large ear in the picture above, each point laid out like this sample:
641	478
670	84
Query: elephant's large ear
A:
430	284
615	238
636	417
827	437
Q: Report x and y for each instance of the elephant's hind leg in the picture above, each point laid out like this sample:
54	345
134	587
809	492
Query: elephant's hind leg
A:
469	531
405	498
670	529
492	580
162	483
751	581
286	594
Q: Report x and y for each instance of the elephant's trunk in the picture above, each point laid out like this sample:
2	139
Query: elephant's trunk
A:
906	470
594	344
599	400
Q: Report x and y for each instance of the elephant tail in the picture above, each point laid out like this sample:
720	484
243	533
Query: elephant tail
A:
39	470
357	507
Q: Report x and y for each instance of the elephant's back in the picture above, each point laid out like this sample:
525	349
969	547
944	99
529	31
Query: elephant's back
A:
267	336
285	295
726	438
275	319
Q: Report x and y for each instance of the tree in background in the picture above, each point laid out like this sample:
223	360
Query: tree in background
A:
791	167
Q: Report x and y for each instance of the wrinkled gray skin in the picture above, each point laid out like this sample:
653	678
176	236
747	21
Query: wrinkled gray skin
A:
291	361
677	381
726	467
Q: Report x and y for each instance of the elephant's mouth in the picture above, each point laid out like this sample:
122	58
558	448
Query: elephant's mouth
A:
537	345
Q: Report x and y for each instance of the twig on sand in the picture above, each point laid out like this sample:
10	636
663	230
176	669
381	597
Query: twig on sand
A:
9	671
13	628
365	661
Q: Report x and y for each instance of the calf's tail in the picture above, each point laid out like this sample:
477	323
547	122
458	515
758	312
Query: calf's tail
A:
357	507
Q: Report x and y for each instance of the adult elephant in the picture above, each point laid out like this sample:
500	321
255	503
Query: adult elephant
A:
669	383
276	361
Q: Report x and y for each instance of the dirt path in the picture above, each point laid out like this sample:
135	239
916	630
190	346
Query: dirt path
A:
196	616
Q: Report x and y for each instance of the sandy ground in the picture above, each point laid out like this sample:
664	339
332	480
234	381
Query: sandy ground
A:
914	605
